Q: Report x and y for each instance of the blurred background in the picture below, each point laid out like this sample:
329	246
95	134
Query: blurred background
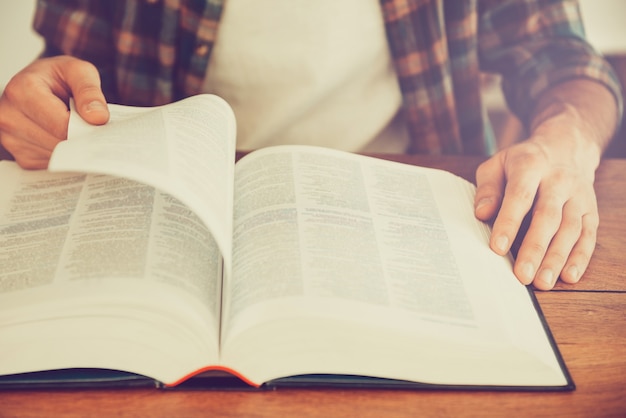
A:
605	22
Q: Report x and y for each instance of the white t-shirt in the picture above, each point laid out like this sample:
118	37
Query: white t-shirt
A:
308	72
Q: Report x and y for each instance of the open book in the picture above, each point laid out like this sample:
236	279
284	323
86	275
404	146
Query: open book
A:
145	249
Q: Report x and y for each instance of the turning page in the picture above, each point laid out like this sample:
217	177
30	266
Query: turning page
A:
185	149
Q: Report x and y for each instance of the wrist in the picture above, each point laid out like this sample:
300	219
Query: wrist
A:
575	120
567	136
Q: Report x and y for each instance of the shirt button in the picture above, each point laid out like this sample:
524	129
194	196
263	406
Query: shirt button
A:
202	50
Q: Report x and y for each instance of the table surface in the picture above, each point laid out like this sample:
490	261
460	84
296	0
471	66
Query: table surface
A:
588	321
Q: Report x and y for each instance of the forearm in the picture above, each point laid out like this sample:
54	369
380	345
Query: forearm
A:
575	119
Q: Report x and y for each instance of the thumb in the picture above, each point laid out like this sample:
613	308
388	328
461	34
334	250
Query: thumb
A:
92	109
83	80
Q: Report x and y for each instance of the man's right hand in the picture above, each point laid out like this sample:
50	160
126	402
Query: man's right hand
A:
34	111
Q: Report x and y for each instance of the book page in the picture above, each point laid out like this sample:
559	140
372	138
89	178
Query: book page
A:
186	149
339	258
323	217
98	268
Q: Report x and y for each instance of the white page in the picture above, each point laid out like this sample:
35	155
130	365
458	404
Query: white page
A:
96	268
35	211
304	218
185	149
317	258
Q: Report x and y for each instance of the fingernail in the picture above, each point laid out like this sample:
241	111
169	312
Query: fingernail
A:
573	273
484	201
528	271
502	243
95	106
546	276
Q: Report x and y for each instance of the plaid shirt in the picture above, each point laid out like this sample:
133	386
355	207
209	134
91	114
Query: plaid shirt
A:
151	52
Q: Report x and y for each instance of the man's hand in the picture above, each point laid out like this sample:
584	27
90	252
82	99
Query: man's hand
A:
550	176
34	107
560	196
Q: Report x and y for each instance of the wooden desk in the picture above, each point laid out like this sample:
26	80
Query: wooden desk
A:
588	321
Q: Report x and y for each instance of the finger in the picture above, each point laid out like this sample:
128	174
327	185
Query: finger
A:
580	256
36	161
20	134
83	80
542	260
519	194
490	180
547	220
28	155
572	246
30	99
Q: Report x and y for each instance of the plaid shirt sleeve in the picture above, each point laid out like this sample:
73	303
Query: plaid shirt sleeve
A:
148	52
537	44
440	47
